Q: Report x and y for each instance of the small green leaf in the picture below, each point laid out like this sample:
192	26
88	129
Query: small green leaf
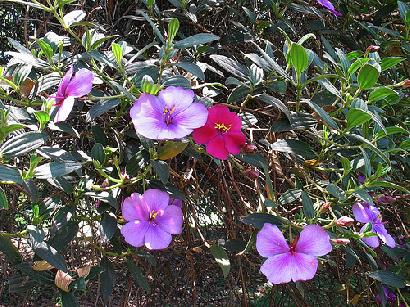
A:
173	27
197	39
307	203
117	52
221	258
368	76
258	219
4	203
136	274
357	117
171	149
97	153
298	58
381	93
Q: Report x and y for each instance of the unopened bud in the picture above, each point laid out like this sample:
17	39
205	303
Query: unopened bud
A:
340	241
345	221
386	199
249	148
252	173
325	207
406	83
373	48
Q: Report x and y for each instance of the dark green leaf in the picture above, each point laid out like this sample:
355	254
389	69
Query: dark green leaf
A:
97	153
221	258
56	169
197	39
22	144
324	115
10	173
231	66
258	219
389	278
192	68
10	251
308	208
136	274
295	147
368	76
161	169
106	279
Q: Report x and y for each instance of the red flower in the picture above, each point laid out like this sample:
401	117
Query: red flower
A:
221	134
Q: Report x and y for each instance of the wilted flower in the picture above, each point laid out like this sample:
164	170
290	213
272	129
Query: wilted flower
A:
71	87
340	241
386	199
329	6
389	296
367	213
344	221
373	48
221	134
406	83
295	262
151	220
170	115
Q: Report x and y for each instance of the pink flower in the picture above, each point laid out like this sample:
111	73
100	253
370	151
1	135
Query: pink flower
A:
295	262
71	87
221	134
151	219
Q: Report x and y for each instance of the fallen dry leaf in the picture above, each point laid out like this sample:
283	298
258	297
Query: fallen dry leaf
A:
63	280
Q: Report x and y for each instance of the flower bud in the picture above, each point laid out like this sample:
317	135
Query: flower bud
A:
373	48
345	221
340	241
249	148
252	173
386	199
406	83
325	207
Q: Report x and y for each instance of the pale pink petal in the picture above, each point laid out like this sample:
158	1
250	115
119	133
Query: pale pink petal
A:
63	110
156	199
134	232
192	117
270	241
157	238
177	97
314	241
134	208
234	142
372	241
64	82
283	268
81	84
216	148
204	134
171	220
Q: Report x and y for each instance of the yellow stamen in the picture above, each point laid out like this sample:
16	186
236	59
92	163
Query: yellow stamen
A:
153	214
222	127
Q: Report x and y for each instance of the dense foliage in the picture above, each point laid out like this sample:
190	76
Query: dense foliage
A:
204	152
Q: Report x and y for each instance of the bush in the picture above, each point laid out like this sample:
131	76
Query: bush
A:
205	152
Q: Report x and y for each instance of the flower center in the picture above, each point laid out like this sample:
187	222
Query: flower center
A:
222	128
168	115
293	245
152	215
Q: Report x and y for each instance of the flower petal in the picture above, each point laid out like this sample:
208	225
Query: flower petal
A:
81	84
372	241
220	114
171	220
384	235
270	241
63	110
314	241
134	232
283	268
194	116
178	97
234	142
360	213
64	82
204	134
157	238
216	148
134	208
156	199
173	132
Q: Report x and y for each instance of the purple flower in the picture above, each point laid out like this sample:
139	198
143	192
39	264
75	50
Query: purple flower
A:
367	213
361	179
295	262
71	87
175	202
151	220
171	115
329	6
388	296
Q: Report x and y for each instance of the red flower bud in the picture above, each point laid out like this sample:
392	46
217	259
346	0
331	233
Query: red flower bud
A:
252	173
325	207
249	148
406	83
345	221
373	48
340	241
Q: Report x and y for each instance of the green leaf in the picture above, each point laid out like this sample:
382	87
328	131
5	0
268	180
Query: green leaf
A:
381	93
389	278
390	62
68	299
100	108
73	16
161	169
106	279
192	68
197	39
368	76
46	48
356	65
10	251
295	147
221	258
307	203
56	169
386	184
173	27
4	203
231	66
10	173
97	153
64	236
370	145
258	219
357	117
136	274
42	117
117	52
324	115
108	226
290	196
171	149
22	144
298	58
335	191
276	103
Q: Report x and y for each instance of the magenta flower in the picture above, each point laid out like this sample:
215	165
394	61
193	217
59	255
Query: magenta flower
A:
329	6
221	134
295	262
171	115
367	213
71	87
151	220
